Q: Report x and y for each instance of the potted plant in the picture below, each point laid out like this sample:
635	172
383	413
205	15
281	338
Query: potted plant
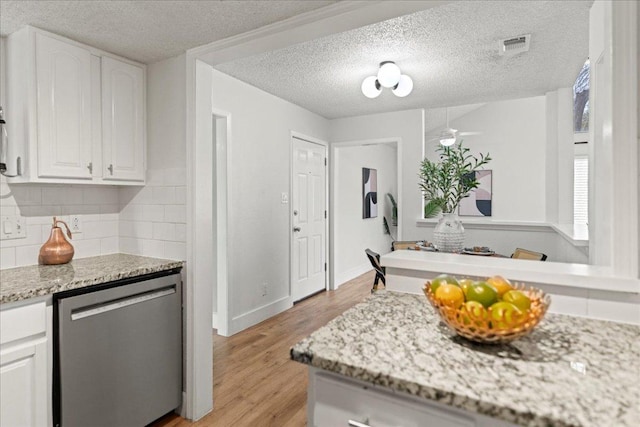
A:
444	183
394	210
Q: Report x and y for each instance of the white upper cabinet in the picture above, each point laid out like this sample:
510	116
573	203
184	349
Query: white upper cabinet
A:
75	114
63	75
122	120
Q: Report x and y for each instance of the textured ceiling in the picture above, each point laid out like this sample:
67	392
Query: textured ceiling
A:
148	31
449	51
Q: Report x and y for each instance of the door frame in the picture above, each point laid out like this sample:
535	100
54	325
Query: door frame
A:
333	191
325	145
222	315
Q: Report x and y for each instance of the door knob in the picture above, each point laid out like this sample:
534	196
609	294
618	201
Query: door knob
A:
296	229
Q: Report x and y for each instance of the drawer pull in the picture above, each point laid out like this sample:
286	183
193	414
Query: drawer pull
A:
353	423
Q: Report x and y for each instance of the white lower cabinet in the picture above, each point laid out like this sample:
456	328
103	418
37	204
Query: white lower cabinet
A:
25	382
336	401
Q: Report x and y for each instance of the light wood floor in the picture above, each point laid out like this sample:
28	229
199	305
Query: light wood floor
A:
255	382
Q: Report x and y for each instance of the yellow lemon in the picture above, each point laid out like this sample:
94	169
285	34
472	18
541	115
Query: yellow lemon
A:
473	311
441	280
504	314
517	298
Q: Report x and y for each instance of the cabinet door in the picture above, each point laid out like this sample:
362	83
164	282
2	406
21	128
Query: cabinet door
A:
23	387
63	80
123	135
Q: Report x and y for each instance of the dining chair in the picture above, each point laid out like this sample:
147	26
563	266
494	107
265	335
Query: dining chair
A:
520	253
402	245
374	258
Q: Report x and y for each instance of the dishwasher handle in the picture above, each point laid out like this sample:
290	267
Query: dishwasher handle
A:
116	304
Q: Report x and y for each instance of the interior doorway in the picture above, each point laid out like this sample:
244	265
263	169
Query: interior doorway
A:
308	217
351	230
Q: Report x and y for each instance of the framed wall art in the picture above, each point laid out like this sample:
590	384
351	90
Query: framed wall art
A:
369	193
479	201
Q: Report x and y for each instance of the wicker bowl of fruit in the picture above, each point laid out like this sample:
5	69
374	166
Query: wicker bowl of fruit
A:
491	311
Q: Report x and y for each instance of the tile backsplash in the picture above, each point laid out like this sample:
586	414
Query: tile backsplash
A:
153	219
149	220
97	206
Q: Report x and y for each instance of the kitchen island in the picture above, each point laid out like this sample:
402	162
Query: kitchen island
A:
568	372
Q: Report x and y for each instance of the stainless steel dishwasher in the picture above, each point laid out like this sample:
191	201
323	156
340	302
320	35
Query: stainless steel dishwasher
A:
118	352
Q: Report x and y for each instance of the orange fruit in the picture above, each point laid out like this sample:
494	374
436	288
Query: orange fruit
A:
504	314
450	295
441	280
501	284
517	298
483	293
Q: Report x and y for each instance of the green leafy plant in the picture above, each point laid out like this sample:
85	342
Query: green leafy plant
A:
394	209
451	179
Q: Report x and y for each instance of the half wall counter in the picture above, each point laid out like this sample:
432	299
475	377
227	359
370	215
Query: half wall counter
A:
575	289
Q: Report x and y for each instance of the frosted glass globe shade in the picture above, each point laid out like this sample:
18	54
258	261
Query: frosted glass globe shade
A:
405	86
388	74
369	87
447	138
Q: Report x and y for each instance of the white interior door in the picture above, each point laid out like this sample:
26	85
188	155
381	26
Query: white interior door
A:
309	211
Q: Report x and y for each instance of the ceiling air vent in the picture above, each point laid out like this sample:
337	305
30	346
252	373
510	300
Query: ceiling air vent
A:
513	46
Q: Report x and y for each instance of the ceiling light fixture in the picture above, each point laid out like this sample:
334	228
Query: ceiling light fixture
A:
388	76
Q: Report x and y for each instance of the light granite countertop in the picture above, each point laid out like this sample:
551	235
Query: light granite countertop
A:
568	372
21	283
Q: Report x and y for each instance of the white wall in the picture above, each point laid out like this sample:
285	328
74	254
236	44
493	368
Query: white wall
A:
514	134
258	173
153	218
531	143
352	233
408	127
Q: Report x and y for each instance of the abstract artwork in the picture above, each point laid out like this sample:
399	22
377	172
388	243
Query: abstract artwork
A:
479	201
369	193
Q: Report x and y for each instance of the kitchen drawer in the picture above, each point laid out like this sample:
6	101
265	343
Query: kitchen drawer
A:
22	322
337	402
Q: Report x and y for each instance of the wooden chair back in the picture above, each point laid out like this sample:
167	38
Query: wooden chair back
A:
520	253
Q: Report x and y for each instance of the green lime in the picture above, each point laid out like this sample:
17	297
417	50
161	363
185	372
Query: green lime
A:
483	293
465	284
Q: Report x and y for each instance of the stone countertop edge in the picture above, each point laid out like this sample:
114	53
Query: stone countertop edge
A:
530	382
22	283
425	392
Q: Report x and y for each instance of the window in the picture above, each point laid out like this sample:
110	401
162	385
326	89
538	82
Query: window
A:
581	100
581	190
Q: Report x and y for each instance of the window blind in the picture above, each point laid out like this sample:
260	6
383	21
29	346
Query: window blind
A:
581	190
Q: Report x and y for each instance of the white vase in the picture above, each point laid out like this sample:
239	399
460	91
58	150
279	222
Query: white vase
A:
448	235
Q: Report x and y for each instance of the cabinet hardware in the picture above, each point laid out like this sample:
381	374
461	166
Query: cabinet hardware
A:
90	167
296	229
110	169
